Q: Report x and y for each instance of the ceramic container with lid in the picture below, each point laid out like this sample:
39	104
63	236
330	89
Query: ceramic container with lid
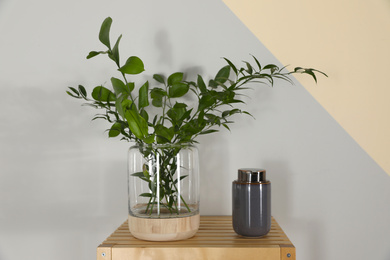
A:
251	203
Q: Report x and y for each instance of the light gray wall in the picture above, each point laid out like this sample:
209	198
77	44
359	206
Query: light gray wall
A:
63	183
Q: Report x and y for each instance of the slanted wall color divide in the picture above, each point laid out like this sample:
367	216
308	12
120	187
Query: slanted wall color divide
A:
347	39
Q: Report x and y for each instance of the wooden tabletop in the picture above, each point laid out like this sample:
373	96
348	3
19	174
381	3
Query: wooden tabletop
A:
215	239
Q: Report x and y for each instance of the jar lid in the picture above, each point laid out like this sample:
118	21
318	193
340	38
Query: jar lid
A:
251	175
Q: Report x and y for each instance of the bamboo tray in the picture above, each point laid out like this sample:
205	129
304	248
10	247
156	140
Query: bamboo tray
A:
215	239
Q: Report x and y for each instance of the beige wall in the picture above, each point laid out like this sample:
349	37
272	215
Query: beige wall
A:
347	39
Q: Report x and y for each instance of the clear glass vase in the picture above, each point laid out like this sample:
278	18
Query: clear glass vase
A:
163	186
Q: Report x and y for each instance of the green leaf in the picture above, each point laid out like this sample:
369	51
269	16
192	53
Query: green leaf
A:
232	66
115	129
206	101
180	105
163	133
157	95
75	91
119	107
82	91
147	195
119	86
208	131
249	67
271	67
225	113
247	113
236	101
201	84
177	112
213	84
95	53
310	72
159	78
229	96
99	117
142	175
155	119
101	93
178	90
137	124
181	178
186	115
130	86
213	119
223	75
104	34
231	112
257	62
318	71
226	126
149	139
144	114
92	54
157	102
170	201
72	95
201	117
138	174
143	100
191	128
115	51
175	78
134	65
146	173
152	186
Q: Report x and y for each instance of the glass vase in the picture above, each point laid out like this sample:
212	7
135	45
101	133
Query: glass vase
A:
163	187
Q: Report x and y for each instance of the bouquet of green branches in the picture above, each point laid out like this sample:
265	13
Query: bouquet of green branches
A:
131	110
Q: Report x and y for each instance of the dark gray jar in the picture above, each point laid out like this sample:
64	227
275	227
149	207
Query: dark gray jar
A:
251	203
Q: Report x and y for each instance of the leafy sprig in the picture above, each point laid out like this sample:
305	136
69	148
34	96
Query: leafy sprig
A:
130	112
178	122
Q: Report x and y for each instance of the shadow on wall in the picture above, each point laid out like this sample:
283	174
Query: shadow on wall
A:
164	46
281	178
1	254
311	231
43	159
213	152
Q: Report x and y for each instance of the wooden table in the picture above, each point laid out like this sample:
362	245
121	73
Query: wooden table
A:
215	239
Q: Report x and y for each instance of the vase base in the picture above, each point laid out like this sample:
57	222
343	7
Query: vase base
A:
164	229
